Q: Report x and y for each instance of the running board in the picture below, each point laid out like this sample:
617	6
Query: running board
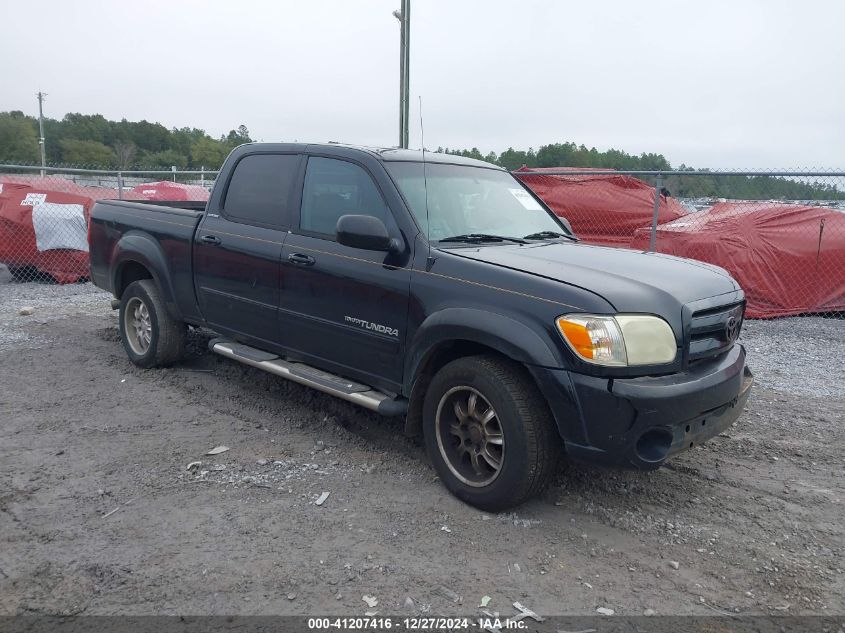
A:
303	374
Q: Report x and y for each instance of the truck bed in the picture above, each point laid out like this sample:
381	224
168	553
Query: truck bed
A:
189	205
162	232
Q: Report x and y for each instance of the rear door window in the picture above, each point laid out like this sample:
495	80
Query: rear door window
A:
261	188
334	188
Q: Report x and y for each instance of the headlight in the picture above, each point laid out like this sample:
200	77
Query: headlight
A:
623	340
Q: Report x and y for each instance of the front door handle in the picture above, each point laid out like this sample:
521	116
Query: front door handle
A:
210	239
301	259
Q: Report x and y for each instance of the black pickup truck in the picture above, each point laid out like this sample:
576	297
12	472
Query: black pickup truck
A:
438	288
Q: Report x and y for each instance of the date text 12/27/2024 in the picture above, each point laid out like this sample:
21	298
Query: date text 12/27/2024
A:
364	623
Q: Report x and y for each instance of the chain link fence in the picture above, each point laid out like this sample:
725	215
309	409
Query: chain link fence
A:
780	234
44	214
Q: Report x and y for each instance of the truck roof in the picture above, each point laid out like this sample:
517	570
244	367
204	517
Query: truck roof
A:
388	154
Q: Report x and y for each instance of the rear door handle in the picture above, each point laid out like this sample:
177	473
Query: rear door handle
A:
210	239
301	259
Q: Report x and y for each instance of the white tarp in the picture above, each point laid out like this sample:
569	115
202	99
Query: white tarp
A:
60	226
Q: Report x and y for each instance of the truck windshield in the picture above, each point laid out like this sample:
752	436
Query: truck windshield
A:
472	204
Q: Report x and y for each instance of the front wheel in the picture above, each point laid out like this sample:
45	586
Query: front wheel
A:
151	337
489	432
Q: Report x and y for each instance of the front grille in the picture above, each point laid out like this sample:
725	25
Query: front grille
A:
709	331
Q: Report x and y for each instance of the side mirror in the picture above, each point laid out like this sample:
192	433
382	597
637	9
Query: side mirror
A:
366	232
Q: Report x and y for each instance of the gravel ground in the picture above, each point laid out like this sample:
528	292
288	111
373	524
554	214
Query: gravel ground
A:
51	303
101	514
800	356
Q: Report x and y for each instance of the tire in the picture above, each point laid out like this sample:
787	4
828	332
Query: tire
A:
19	273
150	336
521	424
24	274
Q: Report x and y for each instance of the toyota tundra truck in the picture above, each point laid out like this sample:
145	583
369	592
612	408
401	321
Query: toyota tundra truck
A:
440	289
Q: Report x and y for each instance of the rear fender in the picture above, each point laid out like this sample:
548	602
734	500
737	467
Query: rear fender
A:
136	247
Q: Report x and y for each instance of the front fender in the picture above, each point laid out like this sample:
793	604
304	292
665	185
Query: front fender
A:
137	247
497	331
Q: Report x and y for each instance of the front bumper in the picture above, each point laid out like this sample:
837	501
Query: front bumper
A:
640	422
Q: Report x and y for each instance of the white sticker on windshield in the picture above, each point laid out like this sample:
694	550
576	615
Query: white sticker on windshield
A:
526	200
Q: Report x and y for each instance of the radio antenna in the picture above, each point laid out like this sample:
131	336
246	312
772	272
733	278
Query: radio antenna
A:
430	261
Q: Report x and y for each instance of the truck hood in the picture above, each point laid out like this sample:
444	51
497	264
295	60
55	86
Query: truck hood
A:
631	281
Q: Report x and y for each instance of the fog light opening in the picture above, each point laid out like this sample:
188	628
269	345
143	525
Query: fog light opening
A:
653	445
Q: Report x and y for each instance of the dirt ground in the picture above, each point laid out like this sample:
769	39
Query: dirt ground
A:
99	514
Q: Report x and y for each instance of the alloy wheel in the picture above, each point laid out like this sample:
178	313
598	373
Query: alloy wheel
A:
470	436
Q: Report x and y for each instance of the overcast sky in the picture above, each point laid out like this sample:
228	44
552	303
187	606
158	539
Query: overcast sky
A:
737	83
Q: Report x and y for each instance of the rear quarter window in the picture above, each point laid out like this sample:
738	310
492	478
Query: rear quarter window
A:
260	189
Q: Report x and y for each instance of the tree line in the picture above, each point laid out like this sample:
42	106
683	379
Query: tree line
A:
710	185
91	140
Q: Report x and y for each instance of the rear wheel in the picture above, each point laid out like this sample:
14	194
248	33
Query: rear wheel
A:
151	337
489	432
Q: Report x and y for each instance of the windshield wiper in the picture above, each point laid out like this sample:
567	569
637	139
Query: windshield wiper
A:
481	237
544	235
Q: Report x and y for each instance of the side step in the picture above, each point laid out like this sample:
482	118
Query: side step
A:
303	374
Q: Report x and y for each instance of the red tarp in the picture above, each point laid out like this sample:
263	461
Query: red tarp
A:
19	238
166	190
788	258
18	244
603	209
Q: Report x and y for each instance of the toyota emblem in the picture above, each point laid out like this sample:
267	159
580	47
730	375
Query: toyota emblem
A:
732	329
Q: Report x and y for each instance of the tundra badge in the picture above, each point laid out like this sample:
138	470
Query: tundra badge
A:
369	325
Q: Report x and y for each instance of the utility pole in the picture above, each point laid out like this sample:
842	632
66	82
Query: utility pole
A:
404	17
41	96
407	16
